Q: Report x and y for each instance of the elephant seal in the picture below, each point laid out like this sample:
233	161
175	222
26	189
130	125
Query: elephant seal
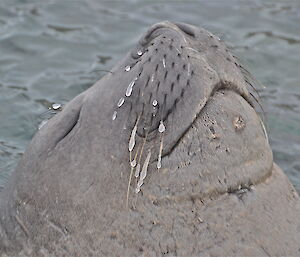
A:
164	156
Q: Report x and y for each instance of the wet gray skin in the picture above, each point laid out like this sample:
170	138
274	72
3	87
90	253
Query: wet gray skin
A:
165	155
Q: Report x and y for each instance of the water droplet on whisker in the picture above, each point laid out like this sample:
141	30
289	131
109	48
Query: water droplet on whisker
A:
154	103
132	138
164	62
137	170
159	162
160	154
133	163
161	127
145	167
140	53
127	68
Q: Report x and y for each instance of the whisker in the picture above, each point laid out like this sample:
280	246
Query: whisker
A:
101	70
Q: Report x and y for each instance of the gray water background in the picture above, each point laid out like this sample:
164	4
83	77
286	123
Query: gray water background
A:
50	51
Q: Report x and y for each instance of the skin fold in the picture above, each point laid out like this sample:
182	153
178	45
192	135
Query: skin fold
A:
164	156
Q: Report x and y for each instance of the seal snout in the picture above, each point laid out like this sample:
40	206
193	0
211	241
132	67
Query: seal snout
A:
169	77
161	27
186	28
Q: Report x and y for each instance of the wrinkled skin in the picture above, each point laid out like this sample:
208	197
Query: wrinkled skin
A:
218	192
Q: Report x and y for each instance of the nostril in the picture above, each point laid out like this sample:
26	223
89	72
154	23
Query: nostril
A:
187	29
152	32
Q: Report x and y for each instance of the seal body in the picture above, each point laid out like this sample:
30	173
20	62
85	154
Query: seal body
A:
166	155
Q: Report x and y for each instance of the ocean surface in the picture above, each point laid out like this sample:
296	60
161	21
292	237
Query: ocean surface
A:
52	50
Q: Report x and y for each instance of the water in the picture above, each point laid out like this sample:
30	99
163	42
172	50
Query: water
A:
53	50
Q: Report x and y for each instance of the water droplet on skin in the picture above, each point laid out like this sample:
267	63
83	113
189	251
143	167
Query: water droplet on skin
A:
161	127
143	172
159	162
132	138
137	170
127	68
121	101
145	167
140	183
133	163
129	89
140	53
56	106
114	116
152	78
154	103
164	62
